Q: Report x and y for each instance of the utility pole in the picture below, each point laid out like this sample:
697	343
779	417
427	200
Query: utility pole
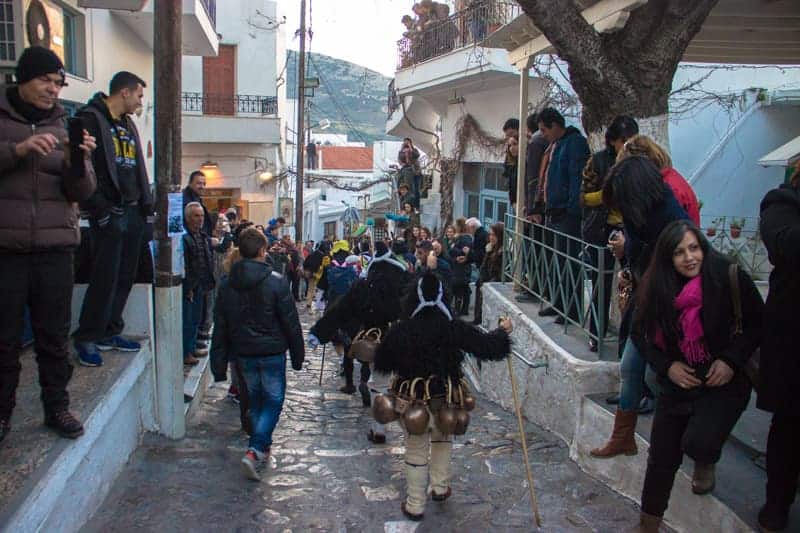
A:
308	134
301	102
168	298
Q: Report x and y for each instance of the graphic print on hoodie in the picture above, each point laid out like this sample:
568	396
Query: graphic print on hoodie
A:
125	158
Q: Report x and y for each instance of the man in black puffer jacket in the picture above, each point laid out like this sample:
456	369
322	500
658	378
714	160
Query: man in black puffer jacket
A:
256	321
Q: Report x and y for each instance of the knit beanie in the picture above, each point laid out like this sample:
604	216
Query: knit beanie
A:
38	61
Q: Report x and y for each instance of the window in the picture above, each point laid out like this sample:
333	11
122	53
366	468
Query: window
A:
8	42
471	176
330	230
473	206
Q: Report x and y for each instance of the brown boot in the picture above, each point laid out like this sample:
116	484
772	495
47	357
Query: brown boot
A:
703	479
648	523
623	439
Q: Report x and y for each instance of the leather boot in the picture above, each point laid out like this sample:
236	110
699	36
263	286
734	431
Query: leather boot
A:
623	437
703	479
416	491
440	469
647	523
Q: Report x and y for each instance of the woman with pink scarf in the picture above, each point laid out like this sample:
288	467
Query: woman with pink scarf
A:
684	326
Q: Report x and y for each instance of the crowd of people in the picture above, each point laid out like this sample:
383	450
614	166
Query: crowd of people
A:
432	31
691	318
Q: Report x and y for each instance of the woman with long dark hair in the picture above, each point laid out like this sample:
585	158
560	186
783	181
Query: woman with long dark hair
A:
636	189
683	325
491	269
462	269
780	361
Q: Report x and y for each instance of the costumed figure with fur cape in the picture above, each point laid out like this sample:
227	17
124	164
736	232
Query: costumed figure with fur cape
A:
429	395
365	312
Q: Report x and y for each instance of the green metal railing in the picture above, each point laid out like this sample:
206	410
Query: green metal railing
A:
563	272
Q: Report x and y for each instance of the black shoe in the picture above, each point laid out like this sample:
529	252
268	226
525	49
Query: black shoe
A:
647	406
64	423
560	321
773	517
363	388
441	497
5	427
348	389
203	336
376	438
526	297
548	311
411	516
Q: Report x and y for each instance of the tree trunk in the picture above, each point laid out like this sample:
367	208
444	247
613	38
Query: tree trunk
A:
627	72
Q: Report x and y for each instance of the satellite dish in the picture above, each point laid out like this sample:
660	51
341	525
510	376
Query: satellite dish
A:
37	25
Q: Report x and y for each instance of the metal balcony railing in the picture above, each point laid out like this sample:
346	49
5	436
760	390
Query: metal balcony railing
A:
218	104
464	28
211	9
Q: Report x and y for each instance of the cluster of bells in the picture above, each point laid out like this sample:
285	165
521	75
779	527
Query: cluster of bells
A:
403	402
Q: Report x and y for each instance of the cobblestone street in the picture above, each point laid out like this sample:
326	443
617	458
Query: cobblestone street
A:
324	474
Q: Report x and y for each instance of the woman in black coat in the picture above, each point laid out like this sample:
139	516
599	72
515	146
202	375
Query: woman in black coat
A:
491	270
779	388
683	325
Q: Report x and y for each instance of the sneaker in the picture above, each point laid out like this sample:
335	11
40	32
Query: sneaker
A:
118	343
5	428
201	344
365	398
64	423
249	465
200	352
88	354
190	361
233	394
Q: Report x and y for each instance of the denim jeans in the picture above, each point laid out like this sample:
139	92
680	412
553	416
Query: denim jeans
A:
631	369
192	318
265	378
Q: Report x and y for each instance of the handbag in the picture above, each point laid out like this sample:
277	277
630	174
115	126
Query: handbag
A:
753	365
624	289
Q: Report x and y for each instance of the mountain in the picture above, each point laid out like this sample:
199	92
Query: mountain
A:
352	97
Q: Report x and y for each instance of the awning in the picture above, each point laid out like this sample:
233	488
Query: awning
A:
784	156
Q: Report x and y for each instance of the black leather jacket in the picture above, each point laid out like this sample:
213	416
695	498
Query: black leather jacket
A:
254	316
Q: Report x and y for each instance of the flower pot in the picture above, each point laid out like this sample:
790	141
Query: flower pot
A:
711	232
736	232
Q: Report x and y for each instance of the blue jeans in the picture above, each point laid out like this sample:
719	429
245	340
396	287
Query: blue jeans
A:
192	317
631	369
265	379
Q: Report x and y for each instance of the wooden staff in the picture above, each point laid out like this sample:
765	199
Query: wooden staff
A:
322	366
524	440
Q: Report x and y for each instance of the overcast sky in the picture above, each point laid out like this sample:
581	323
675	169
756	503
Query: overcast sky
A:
364	32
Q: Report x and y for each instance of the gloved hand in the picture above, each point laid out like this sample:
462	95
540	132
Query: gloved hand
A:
313	341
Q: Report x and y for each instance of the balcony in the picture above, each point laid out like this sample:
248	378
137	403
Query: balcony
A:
199	24
238	118
229	105
465	28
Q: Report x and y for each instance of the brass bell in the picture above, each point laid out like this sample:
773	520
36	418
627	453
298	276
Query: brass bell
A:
383	409
468	400
402	399
462	422
446	416
416	417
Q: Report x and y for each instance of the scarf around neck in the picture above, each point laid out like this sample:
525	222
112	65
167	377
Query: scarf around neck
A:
689	304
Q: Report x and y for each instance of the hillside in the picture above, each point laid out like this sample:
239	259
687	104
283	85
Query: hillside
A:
352	97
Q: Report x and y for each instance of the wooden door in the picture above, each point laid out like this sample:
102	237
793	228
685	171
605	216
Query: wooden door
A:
219	82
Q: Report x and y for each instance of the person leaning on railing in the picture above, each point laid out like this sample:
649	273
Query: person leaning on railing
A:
598	222
636	188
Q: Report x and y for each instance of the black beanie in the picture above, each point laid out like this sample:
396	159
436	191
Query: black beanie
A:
38	61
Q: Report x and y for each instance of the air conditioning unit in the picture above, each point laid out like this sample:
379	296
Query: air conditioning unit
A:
120	5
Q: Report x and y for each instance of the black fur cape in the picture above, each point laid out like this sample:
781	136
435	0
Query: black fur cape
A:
373	302
430	344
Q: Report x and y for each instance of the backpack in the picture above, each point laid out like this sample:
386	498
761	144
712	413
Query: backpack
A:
340	279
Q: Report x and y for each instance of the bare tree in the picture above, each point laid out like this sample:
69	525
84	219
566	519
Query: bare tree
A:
629	71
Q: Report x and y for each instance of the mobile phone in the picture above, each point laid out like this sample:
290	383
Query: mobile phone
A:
75	134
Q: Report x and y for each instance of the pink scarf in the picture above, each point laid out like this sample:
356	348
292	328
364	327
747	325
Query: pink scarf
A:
689	304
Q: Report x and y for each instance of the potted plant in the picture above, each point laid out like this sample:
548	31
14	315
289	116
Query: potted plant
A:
736	227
